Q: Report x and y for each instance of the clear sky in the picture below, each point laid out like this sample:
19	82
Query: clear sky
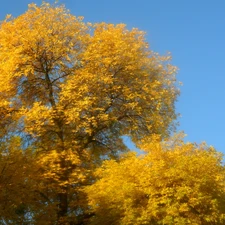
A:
192	30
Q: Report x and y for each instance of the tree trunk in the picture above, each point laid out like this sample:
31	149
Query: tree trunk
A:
63	207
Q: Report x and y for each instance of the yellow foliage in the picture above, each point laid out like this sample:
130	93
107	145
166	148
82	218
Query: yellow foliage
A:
173	183
16	171
70	90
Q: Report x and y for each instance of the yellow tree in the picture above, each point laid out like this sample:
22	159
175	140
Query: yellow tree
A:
16	170
172	183
70	90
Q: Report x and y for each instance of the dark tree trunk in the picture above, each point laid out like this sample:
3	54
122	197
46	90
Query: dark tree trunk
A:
62	208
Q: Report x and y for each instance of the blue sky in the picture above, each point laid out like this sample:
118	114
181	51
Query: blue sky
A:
193	31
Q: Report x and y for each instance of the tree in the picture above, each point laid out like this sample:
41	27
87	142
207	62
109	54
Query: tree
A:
172	183
70	90
16	172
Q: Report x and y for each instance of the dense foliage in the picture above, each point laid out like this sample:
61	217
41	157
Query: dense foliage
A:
69	92
173	183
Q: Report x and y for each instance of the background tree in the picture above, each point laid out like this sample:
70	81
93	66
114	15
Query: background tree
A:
173	183
70	90
16	186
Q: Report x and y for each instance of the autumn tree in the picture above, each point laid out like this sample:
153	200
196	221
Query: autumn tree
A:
69	90
172	183
16	168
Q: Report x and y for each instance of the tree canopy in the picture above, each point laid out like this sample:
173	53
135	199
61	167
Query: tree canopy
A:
173	183
69	92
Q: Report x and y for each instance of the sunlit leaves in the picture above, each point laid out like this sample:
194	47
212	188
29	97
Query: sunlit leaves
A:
70	90
180	184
